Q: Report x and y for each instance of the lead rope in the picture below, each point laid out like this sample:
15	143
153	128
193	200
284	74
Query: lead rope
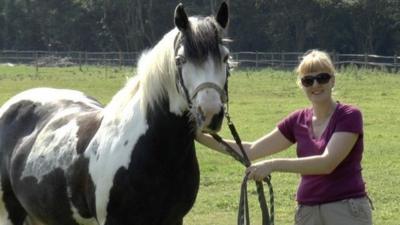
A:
243	211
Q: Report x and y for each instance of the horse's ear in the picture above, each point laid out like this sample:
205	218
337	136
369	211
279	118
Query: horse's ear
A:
223	15
180	18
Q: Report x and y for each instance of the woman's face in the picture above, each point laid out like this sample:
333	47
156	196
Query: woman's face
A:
318	86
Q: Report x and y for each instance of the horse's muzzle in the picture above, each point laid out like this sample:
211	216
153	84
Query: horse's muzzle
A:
216	122
208	105
209	122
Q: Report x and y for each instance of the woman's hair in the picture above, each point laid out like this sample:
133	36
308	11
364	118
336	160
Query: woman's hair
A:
315	61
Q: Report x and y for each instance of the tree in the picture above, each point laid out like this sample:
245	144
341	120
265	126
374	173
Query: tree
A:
348	26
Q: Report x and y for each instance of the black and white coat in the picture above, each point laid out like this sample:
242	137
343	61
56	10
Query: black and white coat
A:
67	160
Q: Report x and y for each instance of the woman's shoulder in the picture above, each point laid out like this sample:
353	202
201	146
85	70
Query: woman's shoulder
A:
348	118
299	115
346	109
303	112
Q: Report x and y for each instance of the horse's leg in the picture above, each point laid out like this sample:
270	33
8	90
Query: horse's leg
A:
4	215
11	211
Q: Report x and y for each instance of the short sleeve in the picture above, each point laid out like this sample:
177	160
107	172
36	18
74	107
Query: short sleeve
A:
350	120
286	126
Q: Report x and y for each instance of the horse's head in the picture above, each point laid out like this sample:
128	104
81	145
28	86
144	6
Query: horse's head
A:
202	62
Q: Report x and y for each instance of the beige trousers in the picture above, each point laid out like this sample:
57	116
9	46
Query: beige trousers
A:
354	211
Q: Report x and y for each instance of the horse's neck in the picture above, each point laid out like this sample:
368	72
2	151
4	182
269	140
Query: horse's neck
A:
161	116
134	118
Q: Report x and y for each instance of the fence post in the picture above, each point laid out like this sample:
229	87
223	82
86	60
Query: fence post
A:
272	59
86	62
282	60
120	59
256	59
104	63
80	61
365	60
337	60
396	68
236	58
36	63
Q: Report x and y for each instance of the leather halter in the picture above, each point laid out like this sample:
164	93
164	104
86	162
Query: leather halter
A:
180	85
243	212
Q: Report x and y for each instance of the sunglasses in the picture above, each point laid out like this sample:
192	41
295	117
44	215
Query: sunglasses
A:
321	78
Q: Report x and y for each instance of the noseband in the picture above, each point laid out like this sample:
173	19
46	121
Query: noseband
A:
180	85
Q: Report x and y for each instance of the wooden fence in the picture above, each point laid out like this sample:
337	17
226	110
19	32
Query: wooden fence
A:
289	60
282	60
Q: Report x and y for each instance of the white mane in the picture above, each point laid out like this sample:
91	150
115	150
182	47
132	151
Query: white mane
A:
154	79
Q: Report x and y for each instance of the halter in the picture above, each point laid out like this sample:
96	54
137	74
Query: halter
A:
243	213
180	85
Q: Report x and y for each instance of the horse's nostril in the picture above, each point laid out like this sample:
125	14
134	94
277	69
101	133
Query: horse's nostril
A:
216	121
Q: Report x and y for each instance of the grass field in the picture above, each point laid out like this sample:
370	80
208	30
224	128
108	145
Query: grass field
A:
258	100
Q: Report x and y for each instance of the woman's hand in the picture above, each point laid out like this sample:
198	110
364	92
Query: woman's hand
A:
260	170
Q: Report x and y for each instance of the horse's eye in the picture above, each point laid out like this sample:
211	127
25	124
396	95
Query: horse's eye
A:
180	60
225	60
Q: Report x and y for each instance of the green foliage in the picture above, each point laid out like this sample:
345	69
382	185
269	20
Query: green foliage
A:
345	26
258	100
334	25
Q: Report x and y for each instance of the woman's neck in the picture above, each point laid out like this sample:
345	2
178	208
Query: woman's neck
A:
324	110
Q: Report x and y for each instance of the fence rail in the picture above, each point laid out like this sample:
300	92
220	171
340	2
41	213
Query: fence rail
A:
286	60
289	60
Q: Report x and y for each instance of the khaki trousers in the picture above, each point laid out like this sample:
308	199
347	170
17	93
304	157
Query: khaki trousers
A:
354	211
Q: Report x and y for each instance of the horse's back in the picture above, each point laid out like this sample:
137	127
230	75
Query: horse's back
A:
38	110
41	137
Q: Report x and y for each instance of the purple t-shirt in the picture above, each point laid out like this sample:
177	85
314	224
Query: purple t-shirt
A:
346	180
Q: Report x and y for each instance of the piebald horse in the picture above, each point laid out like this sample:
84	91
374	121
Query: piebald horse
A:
67	160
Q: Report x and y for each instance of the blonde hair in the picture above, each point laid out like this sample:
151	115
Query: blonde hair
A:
315	61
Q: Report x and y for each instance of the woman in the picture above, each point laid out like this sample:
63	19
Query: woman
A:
329	138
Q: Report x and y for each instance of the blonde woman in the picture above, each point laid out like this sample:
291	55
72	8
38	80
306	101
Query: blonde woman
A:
329	144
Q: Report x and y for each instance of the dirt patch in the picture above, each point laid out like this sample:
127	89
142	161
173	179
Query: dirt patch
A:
53	61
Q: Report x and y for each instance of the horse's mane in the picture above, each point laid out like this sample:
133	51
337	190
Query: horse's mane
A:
156	70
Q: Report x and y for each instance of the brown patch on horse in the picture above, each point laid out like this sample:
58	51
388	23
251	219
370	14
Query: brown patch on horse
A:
88	125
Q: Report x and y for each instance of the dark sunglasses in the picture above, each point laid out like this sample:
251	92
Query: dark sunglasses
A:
321	78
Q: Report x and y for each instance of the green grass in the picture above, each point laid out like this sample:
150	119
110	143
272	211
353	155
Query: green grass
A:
258	100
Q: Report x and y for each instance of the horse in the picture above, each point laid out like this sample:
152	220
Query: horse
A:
65	159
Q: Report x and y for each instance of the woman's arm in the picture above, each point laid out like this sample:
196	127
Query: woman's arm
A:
208	141
335	152
267	145
271	143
